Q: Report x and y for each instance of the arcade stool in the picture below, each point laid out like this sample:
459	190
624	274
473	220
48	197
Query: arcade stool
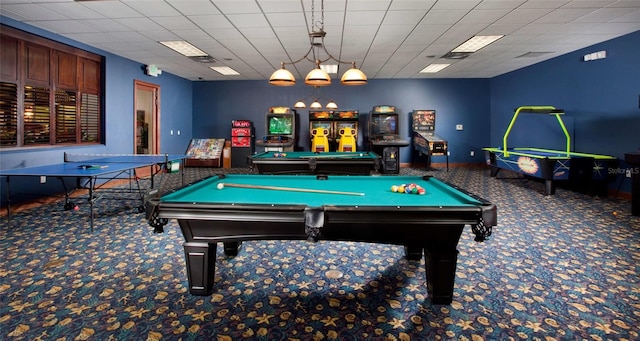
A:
320	141
347	140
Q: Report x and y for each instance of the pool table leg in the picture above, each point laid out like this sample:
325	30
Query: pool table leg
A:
231	248
440	265
413	252
201	266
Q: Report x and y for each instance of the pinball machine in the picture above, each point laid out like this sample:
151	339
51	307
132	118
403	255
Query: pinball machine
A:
426	143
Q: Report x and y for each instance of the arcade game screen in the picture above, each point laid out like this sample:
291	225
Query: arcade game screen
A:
384	124
280	125
321	124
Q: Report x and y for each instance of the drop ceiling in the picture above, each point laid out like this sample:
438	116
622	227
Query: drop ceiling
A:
386	38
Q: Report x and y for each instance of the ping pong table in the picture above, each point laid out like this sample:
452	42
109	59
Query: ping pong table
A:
94	171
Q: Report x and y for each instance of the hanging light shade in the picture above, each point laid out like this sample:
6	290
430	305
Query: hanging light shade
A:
331	105
282	77
317	77
353	76
315	105
299	105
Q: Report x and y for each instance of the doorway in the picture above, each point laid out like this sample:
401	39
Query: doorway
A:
146	117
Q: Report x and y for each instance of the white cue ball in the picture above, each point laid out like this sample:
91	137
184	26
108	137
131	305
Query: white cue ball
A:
220	186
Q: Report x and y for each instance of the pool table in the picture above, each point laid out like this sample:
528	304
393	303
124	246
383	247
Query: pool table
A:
345	163
234	208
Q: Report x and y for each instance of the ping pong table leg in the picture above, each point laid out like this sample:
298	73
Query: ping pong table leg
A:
152	173
68	205
92	182
140	191
8	203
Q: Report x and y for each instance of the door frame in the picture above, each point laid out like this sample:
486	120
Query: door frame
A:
154	144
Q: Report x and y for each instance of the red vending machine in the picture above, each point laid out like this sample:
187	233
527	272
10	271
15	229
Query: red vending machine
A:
242	142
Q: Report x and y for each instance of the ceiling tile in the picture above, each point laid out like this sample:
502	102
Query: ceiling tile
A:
390	38
159	8
248	20
194	7
31	12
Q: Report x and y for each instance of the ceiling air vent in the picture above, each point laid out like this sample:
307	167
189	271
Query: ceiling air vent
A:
203	59
457	55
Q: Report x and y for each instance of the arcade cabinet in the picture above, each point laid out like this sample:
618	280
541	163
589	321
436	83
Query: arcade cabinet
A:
281	129
345	124
242	142
321	130
384	137
425	141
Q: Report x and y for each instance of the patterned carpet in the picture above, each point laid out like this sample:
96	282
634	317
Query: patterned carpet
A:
562	267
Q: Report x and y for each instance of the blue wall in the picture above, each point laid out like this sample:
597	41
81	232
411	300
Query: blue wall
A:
601	100
175	113
456	101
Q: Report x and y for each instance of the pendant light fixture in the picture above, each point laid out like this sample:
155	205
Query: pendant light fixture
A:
317	77
316	104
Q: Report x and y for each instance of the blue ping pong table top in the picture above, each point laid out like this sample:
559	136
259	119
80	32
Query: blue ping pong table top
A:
103	165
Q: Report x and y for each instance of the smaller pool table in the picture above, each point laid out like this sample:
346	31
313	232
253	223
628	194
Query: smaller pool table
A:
345	163
233	208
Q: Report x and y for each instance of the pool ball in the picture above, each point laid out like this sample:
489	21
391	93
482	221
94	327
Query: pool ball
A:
394	188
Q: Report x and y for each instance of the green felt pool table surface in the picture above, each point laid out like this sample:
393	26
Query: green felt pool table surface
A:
375	190
305	162
309	154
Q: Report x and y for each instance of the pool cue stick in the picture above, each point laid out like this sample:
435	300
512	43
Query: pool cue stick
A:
289	189
331	156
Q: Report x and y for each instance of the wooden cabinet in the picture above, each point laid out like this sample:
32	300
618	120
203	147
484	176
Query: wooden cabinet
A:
37	64
8	59
90	75
66	70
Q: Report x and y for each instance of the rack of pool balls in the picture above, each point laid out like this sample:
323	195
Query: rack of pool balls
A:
409	189
279	154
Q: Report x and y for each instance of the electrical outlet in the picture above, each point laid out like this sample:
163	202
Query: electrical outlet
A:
628	173
472	153
459	127
448	153
43	179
